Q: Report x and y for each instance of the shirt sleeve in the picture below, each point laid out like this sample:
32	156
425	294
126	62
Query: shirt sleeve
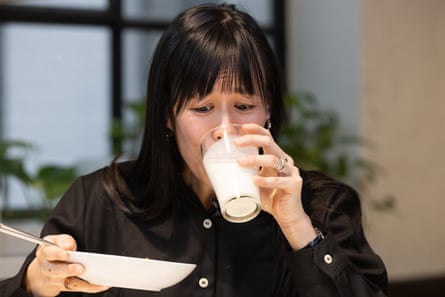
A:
342	264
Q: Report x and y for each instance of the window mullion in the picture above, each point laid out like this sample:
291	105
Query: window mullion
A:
115	8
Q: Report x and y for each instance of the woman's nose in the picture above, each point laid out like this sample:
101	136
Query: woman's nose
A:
225	130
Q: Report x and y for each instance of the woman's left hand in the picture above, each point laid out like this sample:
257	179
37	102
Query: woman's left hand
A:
280	185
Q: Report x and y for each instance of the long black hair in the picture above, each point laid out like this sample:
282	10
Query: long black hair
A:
201	43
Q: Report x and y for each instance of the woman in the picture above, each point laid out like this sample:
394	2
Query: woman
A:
212	66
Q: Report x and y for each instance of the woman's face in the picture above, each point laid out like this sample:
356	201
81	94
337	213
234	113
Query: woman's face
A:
200	115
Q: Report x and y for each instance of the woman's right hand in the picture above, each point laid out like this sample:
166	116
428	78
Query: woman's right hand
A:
51	271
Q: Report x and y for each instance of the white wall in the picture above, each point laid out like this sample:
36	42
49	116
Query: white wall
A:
381	65
403	111
323	54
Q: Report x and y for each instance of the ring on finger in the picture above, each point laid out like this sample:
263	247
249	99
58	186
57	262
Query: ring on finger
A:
281	164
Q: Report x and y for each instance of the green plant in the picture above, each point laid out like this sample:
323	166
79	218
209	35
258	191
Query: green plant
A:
312	136
53	180
49	181
12	165
128	135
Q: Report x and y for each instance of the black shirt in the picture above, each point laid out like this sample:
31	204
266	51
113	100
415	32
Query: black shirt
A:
233	259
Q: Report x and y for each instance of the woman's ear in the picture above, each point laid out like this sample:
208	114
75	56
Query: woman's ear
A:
267	123
169	132
169	124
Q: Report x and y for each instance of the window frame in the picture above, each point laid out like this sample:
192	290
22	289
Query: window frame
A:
113	19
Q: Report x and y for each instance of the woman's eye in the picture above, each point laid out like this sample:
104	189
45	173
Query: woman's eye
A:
203	109
244	107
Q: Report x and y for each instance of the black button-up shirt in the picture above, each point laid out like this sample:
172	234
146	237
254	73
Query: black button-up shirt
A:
246	259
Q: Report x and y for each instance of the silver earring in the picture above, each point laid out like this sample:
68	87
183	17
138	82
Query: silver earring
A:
268	124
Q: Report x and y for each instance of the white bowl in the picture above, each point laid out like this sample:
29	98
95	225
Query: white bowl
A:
130	272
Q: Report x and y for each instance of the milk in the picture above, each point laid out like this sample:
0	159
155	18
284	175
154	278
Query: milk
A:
233	184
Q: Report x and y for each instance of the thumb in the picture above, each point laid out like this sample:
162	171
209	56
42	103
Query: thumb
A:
63	241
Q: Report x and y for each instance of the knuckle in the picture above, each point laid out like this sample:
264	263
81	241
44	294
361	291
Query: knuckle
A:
42	252
269	141
39	251
290	161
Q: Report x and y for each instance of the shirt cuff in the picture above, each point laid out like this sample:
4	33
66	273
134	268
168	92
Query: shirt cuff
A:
318	264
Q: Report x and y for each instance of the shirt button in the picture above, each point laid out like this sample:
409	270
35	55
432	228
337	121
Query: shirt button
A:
207	223
328	259
203	282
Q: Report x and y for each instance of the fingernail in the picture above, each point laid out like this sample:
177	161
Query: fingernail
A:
238	141
76	268
243	160
63	255
66	243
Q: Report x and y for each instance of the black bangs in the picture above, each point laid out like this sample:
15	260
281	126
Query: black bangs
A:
217	52
205	66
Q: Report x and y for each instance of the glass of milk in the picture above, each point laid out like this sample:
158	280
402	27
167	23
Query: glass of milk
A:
238	197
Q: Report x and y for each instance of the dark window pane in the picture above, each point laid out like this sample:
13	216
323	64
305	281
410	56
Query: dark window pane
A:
83	4
164	10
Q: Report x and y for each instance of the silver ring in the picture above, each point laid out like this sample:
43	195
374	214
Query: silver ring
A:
281	164
50	266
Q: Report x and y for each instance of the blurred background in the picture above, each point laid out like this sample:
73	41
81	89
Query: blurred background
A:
73	72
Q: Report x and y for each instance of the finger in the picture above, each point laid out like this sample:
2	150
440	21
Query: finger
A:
266	142
75	284
56	252
258	140
49	253
251	128
258	161
64	241
276	166
61	269
284	165
289	184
